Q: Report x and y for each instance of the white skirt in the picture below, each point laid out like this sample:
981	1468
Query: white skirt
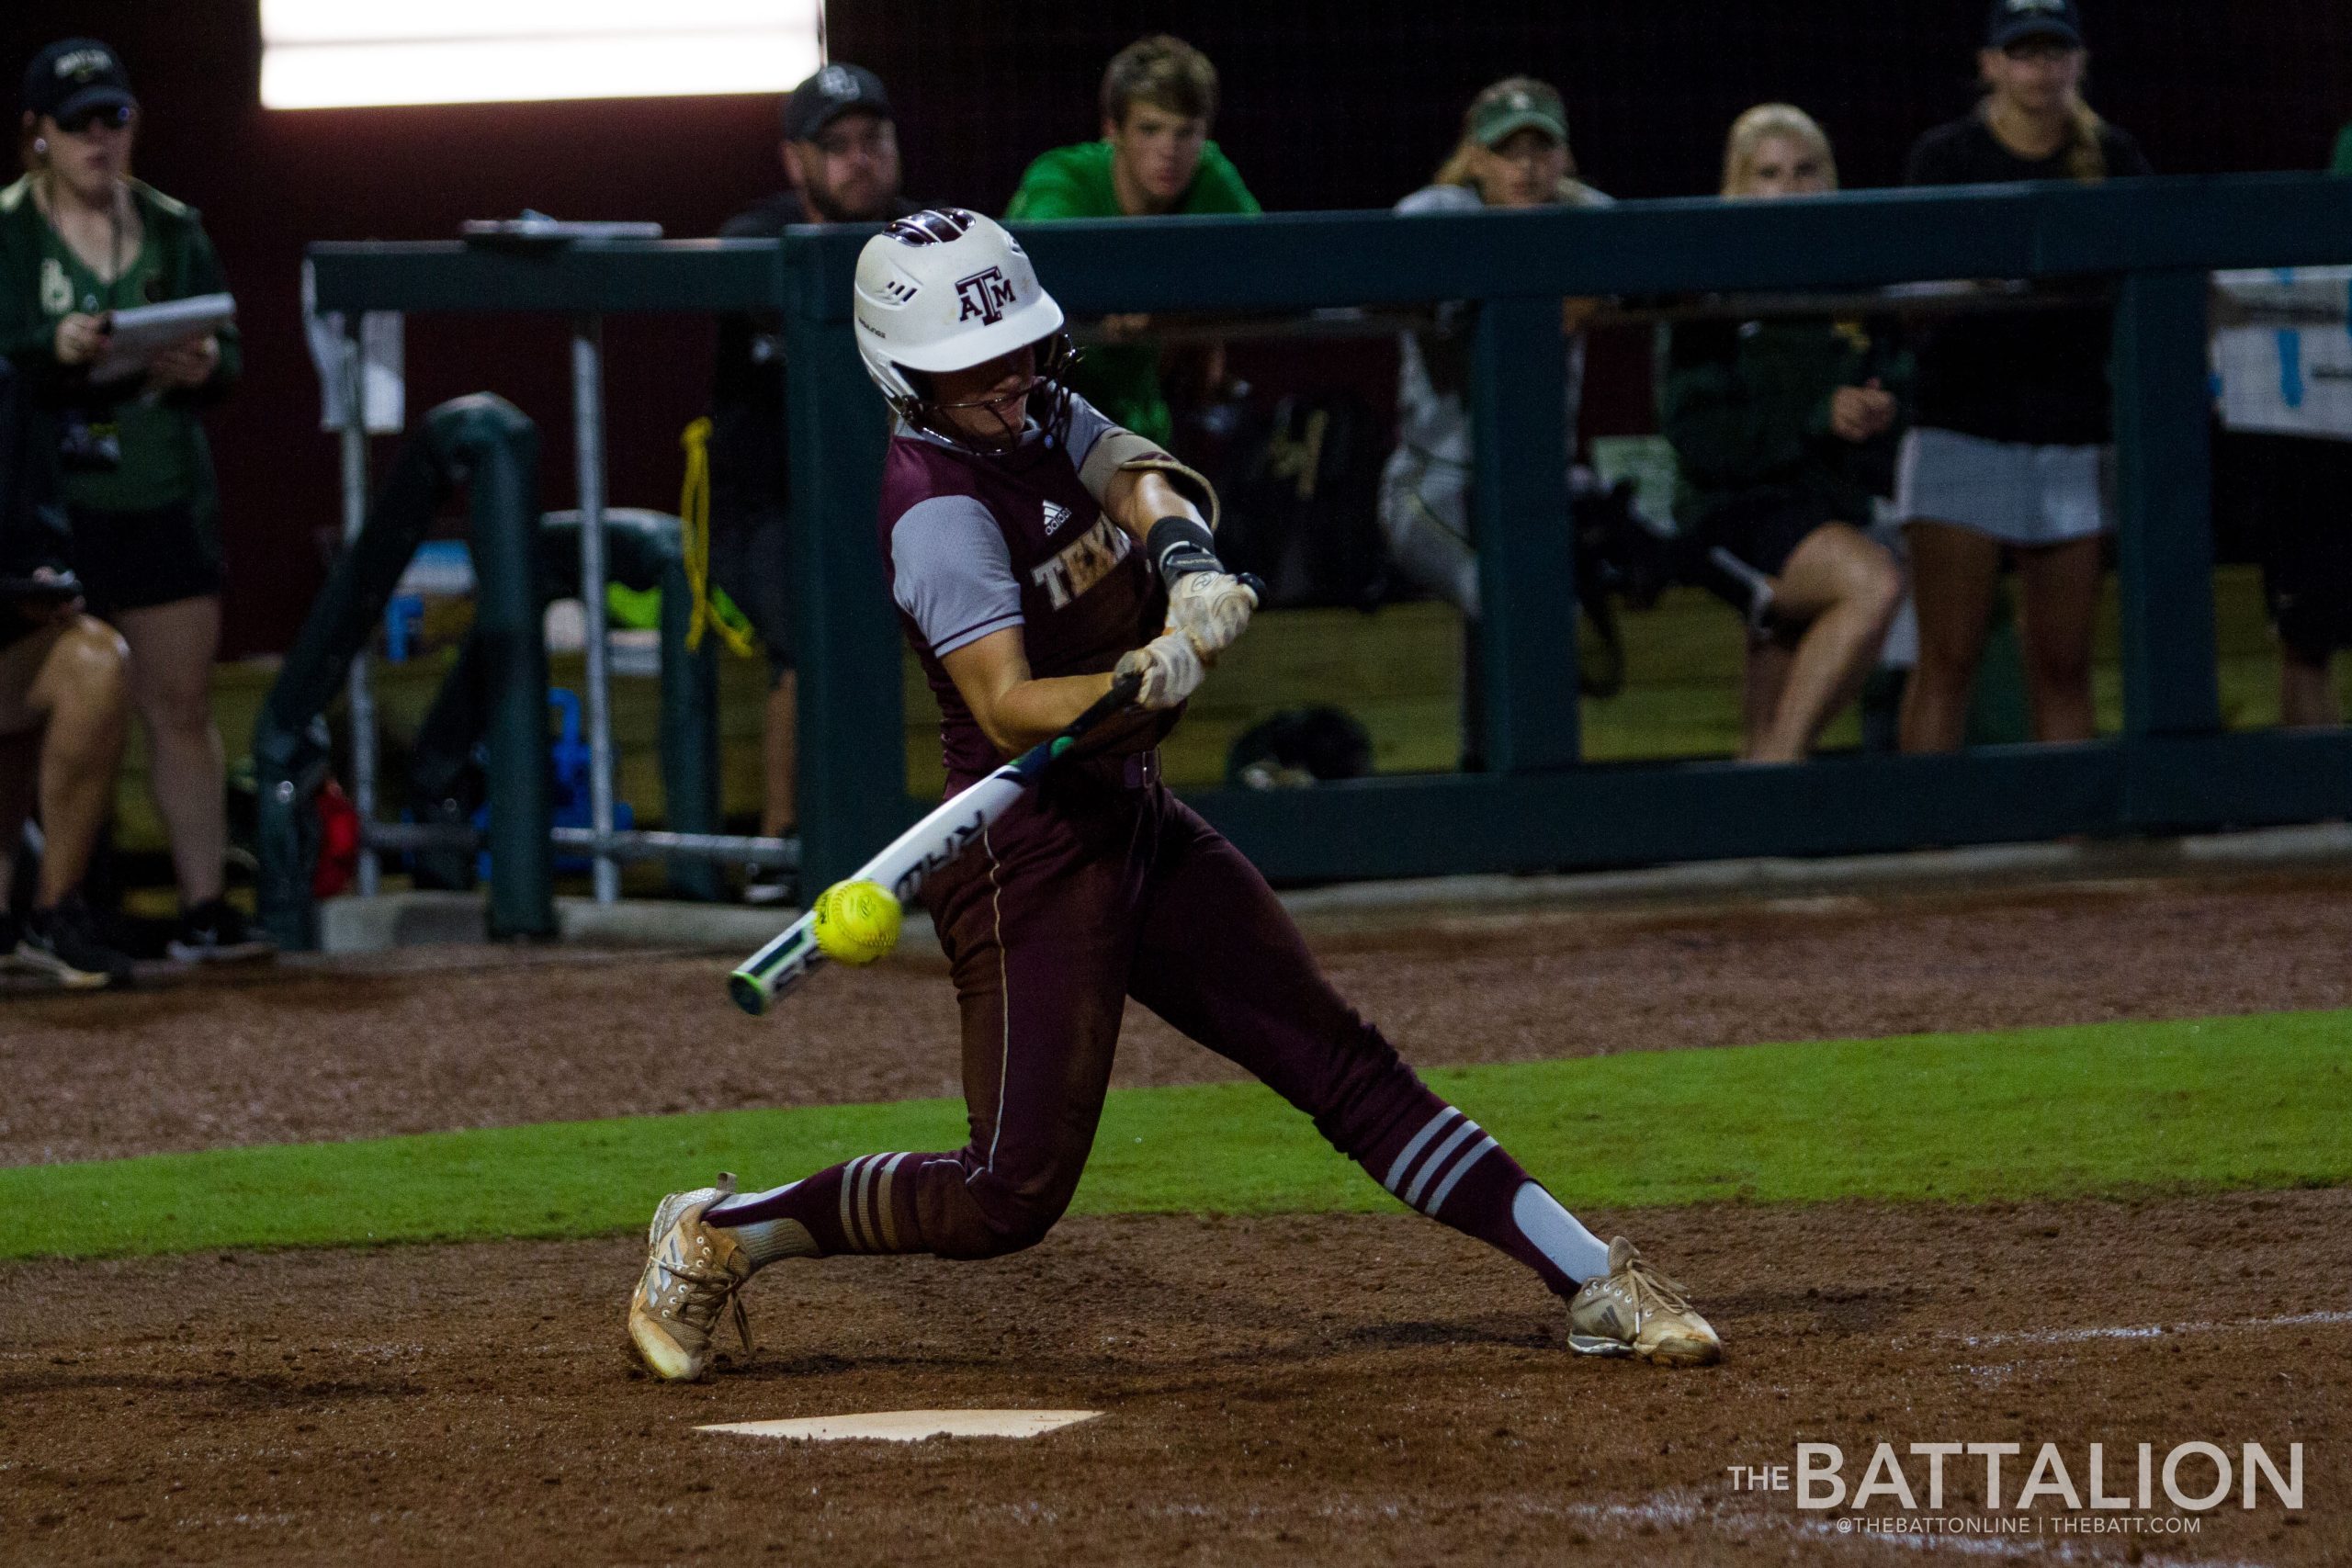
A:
2020	495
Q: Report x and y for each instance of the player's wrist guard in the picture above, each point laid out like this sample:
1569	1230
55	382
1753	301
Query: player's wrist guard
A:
1179	546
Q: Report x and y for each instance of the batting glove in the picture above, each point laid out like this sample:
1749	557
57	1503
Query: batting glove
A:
1170	667
1211	608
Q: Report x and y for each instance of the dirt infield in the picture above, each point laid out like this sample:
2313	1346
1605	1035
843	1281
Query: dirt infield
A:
457	1038
1322	1390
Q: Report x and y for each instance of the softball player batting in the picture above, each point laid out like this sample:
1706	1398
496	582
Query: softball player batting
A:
1034	549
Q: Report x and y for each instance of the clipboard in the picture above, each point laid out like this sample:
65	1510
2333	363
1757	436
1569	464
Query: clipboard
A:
137	335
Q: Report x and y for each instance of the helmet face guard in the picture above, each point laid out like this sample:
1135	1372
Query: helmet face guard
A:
948	290
1048	389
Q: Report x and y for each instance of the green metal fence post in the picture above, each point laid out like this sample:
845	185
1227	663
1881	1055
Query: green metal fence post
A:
486	445
497	449
853	785
2164	473
1527	633
290	746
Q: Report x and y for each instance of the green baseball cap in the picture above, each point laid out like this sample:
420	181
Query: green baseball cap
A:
1515	104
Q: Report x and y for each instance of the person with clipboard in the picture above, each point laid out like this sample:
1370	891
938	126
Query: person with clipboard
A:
83	245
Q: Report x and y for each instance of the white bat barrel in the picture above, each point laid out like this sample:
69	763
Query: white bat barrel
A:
903	867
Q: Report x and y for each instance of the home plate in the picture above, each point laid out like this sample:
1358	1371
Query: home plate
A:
911	1426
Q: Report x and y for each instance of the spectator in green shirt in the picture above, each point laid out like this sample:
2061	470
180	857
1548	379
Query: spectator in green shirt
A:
1159	100
79	240
2343	164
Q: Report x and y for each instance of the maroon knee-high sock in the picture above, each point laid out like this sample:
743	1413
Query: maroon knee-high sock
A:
1437	1159
862	1205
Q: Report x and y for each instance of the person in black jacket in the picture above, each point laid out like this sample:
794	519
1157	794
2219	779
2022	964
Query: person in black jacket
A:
1784	431
2012	454
64	704
841	153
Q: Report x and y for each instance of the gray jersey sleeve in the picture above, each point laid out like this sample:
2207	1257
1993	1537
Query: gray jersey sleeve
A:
951	572
1087	426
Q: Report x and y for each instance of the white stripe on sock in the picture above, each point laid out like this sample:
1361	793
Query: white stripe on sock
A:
1477	1153
882	1208
865	1174
1558	1235
850	1230
1421	1141
1436	1162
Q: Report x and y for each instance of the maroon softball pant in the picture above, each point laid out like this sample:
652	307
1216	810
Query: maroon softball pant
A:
1091	890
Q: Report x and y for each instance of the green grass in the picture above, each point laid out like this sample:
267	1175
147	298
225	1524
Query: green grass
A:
2112	1109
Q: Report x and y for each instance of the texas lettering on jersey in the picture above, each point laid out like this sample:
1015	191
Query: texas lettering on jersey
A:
1070	578
1083	562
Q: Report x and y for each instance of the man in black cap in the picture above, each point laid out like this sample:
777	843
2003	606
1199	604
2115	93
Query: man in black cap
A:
841	153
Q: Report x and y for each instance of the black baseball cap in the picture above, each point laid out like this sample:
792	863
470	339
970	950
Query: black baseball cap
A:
829	94
77	77
2014	21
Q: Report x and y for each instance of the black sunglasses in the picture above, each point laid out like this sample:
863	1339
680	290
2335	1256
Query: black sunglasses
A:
114	117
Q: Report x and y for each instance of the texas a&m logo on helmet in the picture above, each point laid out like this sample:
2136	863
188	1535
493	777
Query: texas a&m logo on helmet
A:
985	295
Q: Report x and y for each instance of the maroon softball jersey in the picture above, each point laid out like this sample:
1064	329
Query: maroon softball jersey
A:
978	545
1098	887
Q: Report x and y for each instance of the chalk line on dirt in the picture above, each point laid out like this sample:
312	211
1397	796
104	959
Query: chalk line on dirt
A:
2151	1331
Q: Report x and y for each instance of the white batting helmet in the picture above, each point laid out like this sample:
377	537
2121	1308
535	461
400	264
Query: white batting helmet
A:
945	289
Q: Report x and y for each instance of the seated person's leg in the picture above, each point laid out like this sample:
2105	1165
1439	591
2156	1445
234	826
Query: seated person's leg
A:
84	689
1764	676
64	704
1845	587
1424	514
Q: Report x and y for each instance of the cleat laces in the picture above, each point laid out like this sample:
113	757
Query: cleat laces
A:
1652	1293
696	1287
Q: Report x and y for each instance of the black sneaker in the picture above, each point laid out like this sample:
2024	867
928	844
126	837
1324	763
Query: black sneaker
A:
215	932
64	945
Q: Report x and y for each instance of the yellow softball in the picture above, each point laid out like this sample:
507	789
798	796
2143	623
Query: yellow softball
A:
858	922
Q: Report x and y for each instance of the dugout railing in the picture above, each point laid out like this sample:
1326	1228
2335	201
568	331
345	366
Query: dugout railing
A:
1538	806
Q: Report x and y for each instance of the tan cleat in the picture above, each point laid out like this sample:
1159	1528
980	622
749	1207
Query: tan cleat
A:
692	1274
1634	1311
